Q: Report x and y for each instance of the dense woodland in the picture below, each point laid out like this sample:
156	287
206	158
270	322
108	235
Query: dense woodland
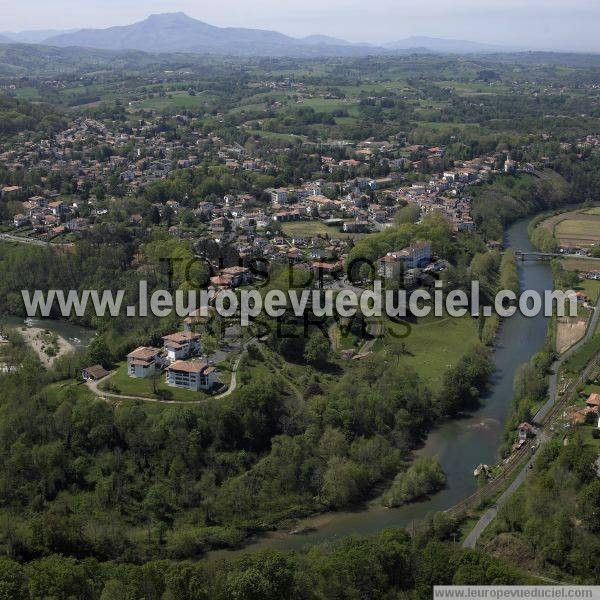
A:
563	490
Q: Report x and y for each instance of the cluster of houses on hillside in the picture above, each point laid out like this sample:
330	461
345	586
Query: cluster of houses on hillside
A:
180	359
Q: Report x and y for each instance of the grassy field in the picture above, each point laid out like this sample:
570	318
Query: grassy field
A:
288	137
586	431
440	126
583	356
572	263
173	101
434	346
129	386
313	228
591	288
28	93
329	105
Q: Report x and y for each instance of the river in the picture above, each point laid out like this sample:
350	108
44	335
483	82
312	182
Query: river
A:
458	445
77	336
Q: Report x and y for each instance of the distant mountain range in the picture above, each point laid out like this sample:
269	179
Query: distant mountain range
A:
36	36
447	46
177	32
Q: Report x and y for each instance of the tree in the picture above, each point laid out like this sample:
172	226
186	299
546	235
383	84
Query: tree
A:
343	482
410	214
155	215
424	477
98	352
588	502
316	350
397	349
12	580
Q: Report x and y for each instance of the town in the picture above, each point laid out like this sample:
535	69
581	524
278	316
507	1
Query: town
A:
167	443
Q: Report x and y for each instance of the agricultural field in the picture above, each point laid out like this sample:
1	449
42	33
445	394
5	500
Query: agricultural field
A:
572	263
579	228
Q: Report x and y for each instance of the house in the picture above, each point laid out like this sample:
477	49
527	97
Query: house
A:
323	269
20	220
8	190
581	297
525	430
193	375
57	208
237	275
182	345
78	224
593	402
196	318
219	225
279	195
144	361
94	373
357	227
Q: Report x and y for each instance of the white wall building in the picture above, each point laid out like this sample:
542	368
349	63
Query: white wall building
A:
182	345
144	361
193	375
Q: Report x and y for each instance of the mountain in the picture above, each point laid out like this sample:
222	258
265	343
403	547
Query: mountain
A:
35	36
324	39
176	32
445	46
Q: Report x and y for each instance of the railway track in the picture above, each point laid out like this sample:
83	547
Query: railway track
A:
516	460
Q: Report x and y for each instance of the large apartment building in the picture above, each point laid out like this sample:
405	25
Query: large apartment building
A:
193	375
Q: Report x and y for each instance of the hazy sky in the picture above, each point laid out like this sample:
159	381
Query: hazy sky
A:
564	24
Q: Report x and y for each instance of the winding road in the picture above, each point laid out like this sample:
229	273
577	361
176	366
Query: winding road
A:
542	415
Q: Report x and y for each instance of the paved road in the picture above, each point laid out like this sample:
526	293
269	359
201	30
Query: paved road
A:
490	514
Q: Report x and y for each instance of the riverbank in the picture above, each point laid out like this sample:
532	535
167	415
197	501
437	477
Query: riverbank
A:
68	336
48	346
458	445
